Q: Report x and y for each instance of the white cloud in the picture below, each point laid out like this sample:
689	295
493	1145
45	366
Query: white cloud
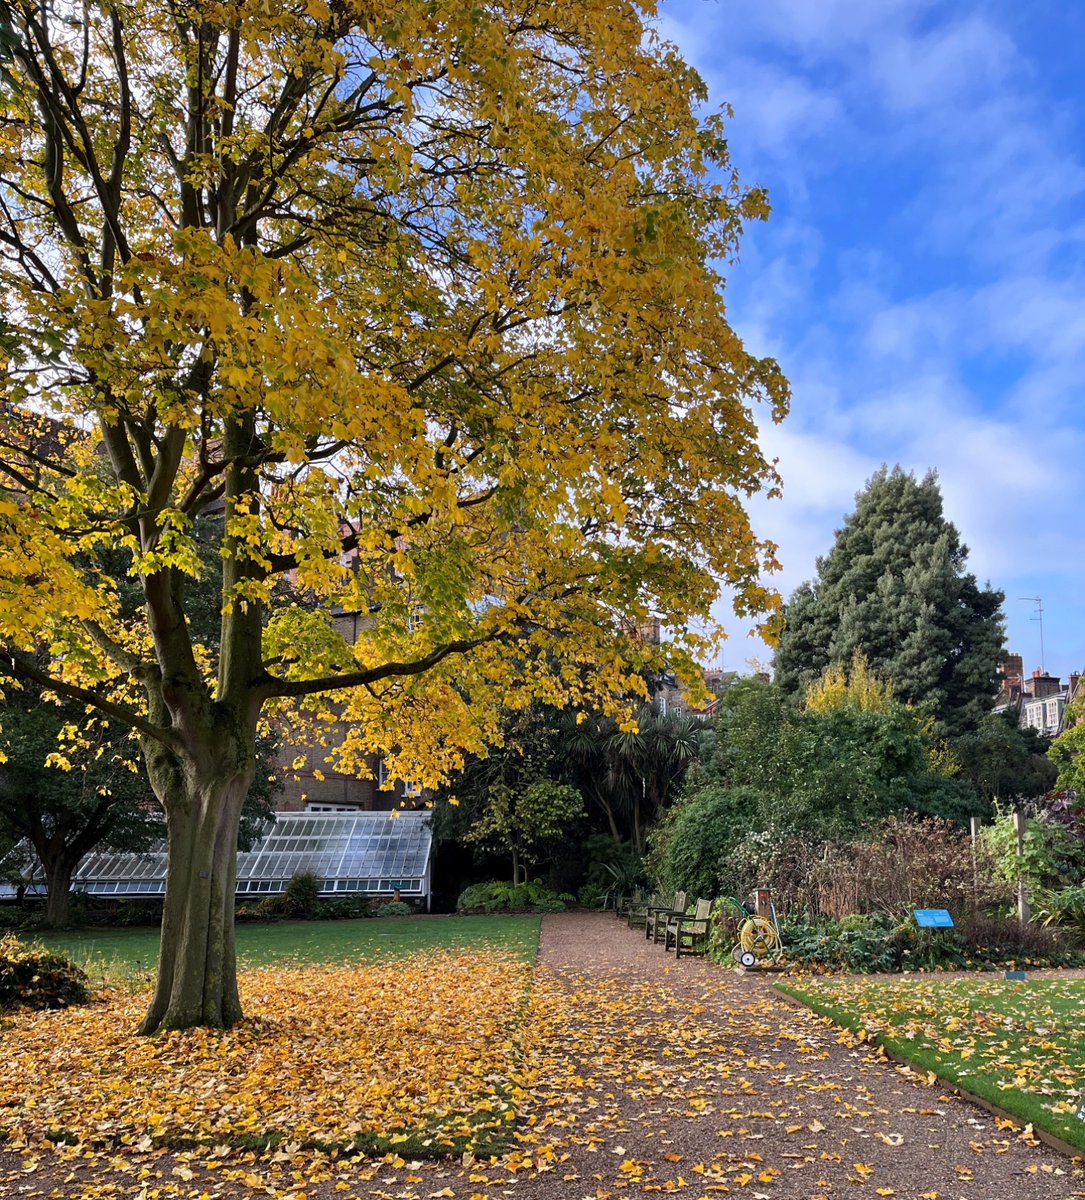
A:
828	28
952	66
946	327
775	108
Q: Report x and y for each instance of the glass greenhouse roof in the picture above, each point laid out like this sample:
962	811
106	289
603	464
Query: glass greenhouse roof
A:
349	852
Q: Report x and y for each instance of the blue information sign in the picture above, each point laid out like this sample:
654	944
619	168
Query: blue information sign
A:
933	918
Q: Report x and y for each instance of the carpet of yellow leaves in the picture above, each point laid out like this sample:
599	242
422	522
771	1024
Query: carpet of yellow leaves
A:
603	1074
420	1052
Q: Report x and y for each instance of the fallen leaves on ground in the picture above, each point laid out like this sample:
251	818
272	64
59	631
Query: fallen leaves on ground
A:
628	1078
420	1051
1018	1044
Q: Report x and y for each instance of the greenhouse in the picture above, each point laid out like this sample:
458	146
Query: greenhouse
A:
351	853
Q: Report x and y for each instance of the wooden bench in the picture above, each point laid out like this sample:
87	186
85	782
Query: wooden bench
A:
624	905
638	910
689	935
655	924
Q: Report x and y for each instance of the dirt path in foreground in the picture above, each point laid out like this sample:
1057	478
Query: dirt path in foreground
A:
690	1060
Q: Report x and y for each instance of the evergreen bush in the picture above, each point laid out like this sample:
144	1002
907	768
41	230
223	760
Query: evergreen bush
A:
697	848
301	895
611	869
871	943
342	908
500	896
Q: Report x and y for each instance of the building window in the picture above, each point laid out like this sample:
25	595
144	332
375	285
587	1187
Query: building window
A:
411	790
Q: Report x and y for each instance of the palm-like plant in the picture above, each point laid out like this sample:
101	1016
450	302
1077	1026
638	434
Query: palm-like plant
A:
632	773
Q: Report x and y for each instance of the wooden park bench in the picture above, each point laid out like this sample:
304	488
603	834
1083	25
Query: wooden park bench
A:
655	924
689	935
638	909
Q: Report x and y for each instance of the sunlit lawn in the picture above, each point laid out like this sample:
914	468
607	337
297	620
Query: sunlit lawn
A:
395	1034
115	953
1017	1044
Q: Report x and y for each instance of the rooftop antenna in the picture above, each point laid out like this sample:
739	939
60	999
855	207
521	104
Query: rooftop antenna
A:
1039	602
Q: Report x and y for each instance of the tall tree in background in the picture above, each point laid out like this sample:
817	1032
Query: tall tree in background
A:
1003	761
515	799
422	299
632	770
894	586
854	755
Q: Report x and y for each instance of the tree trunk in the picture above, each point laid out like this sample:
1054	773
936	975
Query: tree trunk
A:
638	840
58	880
608	808
197	971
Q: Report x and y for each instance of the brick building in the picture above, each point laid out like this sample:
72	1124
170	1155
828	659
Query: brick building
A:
1040	699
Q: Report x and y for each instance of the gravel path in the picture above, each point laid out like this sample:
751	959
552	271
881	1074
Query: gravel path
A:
644	1076
776	1090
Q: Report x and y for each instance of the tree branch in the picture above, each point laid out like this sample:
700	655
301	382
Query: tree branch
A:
18	668
331	683
124	659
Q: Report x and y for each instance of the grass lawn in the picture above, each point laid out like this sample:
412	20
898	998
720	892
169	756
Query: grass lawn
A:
383	1034
1017	1044
119	953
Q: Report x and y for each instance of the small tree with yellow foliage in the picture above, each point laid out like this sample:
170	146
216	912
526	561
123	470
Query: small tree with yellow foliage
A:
857	688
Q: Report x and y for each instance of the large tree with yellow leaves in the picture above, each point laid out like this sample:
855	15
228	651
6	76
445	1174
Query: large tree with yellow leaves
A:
421	303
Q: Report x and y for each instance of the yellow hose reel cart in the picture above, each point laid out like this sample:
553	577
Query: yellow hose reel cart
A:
757	927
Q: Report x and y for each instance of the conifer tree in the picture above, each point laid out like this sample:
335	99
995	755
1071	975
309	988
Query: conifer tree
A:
894	586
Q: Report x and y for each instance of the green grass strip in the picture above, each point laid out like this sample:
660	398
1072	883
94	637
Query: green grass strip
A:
114	955
1020	1046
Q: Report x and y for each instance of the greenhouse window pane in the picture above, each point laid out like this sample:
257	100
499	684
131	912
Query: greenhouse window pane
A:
350	852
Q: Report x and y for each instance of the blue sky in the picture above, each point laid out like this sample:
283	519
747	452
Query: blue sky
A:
922	279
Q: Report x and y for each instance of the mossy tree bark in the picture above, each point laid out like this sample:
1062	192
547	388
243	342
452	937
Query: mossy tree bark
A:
197	974
58	881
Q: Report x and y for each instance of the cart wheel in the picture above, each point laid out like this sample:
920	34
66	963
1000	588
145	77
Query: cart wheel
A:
747	958
736	953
